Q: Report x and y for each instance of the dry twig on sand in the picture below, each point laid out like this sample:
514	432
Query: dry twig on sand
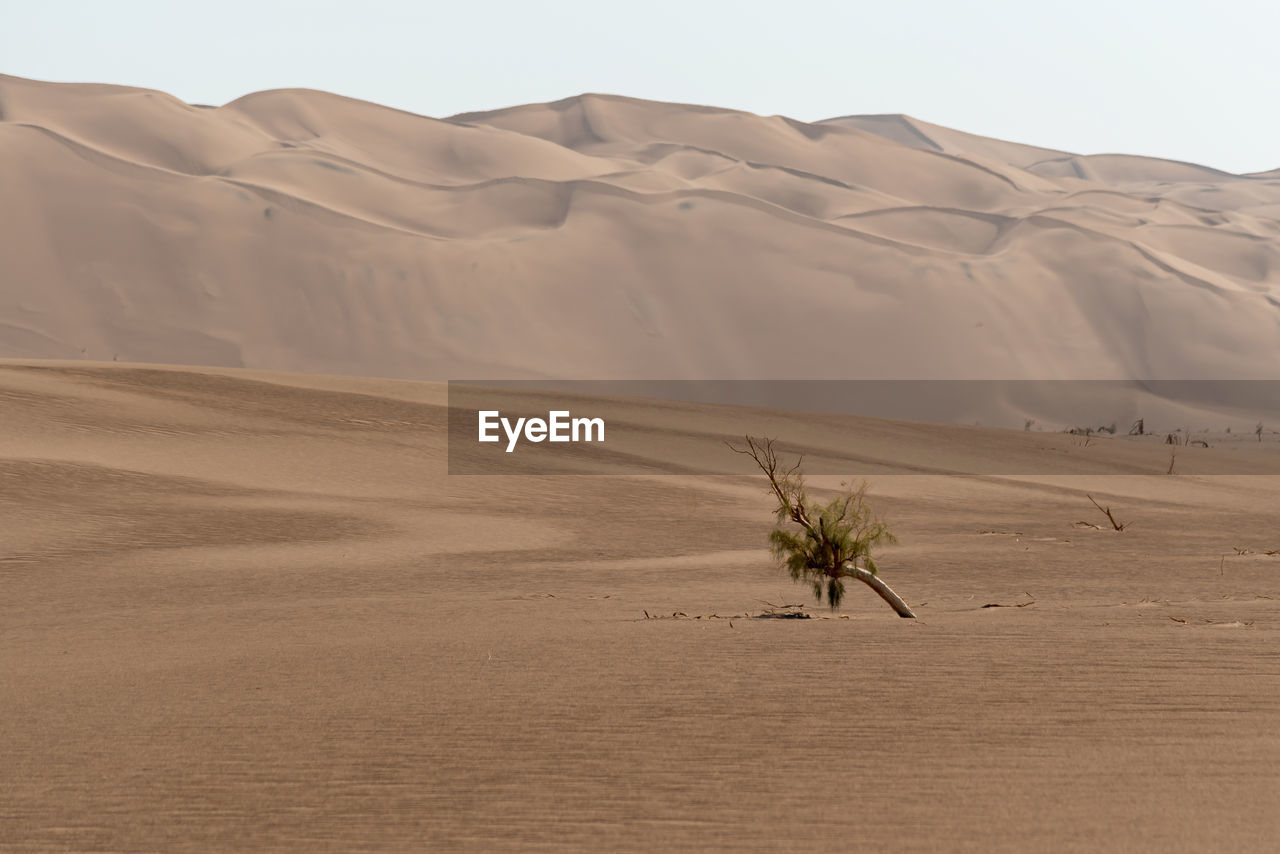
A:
1119	526
1031	601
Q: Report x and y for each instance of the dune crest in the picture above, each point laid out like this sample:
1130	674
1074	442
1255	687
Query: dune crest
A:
602	236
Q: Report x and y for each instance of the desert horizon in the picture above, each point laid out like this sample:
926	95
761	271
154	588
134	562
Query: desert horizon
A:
620	474
302	231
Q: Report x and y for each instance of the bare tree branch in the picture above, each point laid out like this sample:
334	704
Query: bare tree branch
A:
1119	526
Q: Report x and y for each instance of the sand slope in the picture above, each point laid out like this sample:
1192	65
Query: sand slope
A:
249	611
609	237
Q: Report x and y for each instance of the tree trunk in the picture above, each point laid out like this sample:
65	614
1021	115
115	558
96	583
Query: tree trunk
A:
885	591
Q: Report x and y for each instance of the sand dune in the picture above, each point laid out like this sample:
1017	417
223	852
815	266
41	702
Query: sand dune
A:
249	611
252	609
917	134
602	236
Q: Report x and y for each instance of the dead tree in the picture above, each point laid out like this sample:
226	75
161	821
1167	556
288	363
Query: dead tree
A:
1119	526
833	542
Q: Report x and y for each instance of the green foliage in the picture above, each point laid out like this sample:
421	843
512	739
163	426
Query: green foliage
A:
843	531
822	544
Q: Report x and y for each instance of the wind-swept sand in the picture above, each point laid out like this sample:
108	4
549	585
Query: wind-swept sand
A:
609	237
249	611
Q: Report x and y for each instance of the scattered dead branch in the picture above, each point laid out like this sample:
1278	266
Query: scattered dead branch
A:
1119	526
1031	601
783	612
783	615
778	607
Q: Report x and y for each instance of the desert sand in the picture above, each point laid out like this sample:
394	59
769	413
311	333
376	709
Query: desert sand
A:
609	237
245	606
250	611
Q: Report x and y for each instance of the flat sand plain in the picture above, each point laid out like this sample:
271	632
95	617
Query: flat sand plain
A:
250	611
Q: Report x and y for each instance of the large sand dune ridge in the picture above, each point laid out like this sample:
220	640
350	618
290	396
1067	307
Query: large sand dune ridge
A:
603	236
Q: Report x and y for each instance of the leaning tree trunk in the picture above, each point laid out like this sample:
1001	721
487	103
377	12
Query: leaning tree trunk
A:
886	592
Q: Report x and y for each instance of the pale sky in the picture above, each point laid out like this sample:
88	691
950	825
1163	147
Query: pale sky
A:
1183	79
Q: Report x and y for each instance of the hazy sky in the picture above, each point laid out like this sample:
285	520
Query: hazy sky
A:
1184	79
